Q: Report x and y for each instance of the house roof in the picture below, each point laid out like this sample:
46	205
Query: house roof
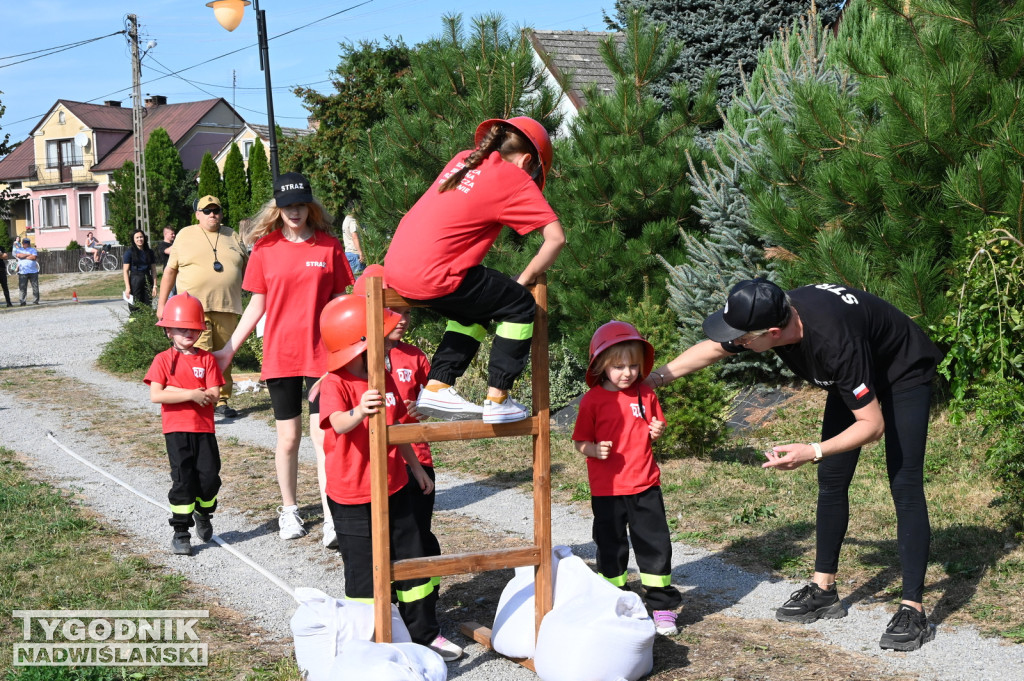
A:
176	119
15	165
264	131
94	116
575	57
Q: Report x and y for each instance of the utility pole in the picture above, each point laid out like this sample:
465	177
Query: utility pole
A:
138	112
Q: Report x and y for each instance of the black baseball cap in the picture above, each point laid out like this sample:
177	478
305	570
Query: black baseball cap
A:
753	304
292	188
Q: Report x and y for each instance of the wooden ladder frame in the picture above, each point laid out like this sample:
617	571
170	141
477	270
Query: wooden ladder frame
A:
382	436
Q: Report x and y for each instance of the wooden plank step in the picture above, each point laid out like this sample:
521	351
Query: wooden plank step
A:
464	563
459	430
482	635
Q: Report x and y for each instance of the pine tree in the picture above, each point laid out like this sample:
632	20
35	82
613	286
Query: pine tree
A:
878	186
236	188
622	194
365	78
723	36
165	180
122	202
210	183
261	184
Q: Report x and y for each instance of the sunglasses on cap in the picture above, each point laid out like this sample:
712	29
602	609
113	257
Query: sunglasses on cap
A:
210	211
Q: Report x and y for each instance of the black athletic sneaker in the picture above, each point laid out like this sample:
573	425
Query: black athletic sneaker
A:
811	603
204	528
181	544
908	630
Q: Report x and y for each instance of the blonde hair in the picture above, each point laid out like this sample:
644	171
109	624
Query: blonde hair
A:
502	138
627	352
269	219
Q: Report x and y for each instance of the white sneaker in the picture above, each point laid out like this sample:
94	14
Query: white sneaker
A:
508	411
448	651
290	524
330	539
447	405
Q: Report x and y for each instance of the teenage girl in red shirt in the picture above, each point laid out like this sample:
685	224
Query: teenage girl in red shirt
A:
435	257
296	267
618	420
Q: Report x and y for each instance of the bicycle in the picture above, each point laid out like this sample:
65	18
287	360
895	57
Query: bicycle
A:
12	266
108	261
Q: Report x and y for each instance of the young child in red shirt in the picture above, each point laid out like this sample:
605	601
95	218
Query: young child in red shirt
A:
347	401
185	381
409	367
619	418
435	257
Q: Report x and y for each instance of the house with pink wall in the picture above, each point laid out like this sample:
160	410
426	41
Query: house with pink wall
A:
61	173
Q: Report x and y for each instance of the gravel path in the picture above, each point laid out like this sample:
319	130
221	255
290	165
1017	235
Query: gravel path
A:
66	338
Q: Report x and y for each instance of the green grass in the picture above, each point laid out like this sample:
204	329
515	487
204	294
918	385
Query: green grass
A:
55	557
91	285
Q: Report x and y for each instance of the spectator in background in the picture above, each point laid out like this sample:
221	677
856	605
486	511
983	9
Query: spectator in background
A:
353	249
207	260
163	248
28	270
163	251
4	255
139	271
94	248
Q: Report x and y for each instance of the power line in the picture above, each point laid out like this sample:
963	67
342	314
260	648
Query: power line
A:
58	47
54	50
221	56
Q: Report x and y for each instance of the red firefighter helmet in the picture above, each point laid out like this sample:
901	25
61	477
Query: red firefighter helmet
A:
530	129
343	328
359	288
614	333
183	311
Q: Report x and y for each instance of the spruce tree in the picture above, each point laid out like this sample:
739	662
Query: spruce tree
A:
728	248
210	183
122	202
236	188
165	180
261	183
723	36
878	186
622	196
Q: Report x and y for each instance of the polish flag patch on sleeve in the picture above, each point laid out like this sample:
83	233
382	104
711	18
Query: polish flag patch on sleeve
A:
860	391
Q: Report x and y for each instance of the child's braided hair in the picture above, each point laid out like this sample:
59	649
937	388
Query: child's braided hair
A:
502	138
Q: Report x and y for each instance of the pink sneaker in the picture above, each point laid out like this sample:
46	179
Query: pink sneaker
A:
665	622
448	651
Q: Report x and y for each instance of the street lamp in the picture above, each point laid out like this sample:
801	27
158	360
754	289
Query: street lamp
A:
229	14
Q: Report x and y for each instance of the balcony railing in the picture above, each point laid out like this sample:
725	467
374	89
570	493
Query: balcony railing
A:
60	174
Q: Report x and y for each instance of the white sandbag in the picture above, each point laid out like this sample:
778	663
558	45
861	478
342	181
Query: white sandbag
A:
322	623
593	637
365	661
514	630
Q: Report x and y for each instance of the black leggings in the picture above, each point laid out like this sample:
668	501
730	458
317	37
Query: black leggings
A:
906	434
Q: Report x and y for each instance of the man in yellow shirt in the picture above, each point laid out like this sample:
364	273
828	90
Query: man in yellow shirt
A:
207	261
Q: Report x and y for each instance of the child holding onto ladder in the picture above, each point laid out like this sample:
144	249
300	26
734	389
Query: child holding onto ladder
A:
185	381
347	401
435	257
619	417
409	367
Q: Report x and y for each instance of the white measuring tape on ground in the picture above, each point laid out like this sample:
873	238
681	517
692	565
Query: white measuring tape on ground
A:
287	588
